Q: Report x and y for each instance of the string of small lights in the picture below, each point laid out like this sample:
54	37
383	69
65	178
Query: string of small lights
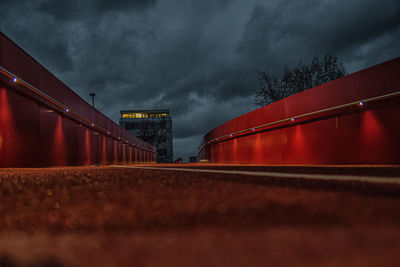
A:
291	121
68	111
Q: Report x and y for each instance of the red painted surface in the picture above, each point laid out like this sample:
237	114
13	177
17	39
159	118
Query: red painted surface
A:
368	134
36	132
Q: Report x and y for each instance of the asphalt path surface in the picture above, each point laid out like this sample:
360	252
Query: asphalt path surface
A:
207	215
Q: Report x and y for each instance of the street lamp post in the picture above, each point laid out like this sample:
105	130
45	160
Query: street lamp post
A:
92	95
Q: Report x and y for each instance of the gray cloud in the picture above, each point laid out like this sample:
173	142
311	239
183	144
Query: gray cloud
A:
123	5
197	58
301	29
60	10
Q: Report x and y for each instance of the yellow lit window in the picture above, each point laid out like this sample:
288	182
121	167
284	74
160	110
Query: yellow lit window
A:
143	115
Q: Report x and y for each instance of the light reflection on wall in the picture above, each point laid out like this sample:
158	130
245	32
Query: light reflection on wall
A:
124	154
87	147
210	152
220	154
300	149
235	151
42	135
115	152
59	157
257	149
5	127
372	136
130	155
104	151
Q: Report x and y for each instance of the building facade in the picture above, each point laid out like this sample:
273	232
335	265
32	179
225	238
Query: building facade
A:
152	126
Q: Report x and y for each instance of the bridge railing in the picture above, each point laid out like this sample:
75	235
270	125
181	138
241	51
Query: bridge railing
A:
44	123
351	120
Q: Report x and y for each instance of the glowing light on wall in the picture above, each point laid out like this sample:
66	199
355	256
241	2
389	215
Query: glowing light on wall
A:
373	137
300	146
59	144
135	154
115	152
87	147
5	119
257	148
123	154
11	139
104	151
235	150
60	105
273	124
130	155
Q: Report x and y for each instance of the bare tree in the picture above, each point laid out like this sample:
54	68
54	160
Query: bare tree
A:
300	78
154	130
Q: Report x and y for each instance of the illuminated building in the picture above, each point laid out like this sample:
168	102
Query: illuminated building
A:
152	126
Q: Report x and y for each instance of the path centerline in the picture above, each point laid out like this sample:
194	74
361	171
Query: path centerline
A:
330	177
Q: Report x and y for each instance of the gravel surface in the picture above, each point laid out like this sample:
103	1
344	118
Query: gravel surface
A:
105	216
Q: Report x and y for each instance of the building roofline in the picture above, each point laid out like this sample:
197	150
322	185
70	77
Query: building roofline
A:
145	111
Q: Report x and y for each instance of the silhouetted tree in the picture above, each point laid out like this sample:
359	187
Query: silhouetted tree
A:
300	78
155	131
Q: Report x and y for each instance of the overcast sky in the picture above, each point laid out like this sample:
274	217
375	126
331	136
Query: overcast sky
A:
198	58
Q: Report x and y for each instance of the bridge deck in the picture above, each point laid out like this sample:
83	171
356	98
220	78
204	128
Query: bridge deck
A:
108	216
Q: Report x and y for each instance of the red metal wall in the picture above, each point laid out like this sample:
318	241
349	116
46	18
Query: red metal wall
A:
353	134
35	132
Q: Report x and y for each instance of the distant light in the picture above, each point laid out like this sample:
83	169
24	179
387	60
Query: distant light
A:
66	110
92	124
14	80
292	119
361	103
108	132
254	129
230	134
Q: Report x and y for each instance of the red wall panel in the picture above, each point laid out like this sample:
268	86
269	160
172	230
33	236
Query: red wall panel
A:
354	134
35	130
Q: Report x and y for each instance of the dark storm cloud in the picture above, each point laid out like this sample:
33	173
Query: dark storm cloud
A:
107	5
197	58
73	9
60	10
301	29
